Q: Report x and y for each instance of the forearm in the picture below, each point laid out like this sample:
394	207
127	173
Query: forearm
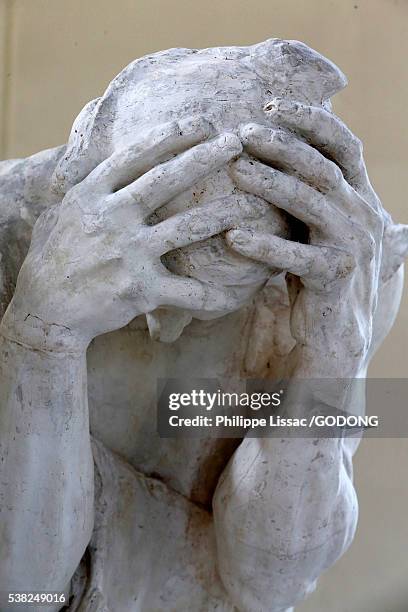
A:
45	465
285	510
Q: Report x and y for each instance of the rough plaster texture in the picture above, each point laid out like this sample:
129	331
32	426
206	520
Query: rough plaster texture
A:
131	261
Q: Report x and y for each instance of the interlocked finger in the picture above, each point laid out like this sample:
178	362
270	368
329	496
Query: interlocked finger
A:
169	179
193	294
319	265
204	221
287	192
148	150
323	130
287	152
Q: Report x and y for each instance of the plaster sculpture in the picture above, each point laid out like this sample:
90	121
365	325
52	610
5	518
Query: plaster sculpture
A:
155	244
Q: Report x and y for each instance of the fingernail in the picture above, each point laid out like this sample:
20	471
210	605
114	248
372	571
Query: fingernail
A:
247	131
230	142
238	237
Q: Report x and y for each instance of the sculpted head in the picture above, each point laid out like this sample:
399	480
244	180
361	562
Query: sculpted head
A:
230	87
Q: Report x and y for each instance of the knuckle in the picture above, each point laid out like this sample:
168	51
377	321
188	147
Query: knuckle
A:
173	130
194	126
378	218
358	143
105	170
348	263
110	162
376	223
127	193
143	239
136	289
364	244
314	117
76	192
228	144
356	147
369	246
174	127
114	255
263	250
126	156
369	240
281	137
109	201
343	264
126	290
247	206
336	174
48	217
248	131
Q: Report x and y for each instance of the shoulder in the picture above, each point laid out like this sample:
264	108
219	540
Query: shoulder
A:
25	192
25	184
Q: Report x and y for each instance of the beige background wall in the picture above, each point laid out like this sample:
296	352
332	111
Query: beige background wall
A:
55	55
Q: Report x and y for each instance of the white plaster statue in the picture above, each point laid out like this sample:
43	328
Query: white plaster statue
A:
156	244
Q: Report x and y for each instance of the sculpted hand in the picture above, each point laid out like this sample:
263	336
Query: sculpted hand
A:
94	262
334	271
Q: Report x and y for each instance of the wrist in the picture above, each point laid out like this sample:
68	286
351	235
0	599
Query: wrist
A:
31	331
337	361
